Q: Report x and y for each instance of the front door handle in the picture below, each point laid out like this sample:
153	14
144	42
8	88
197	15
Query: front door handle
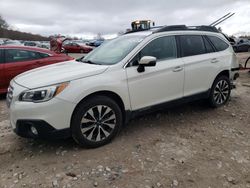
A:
214	60
177	69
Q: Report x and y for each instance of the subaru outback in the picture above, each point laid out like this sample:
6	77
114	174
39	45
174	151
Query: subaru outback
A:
90	99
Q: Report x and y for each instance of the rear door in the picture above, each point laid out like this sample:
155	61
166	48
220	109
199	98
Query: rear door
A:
200	61
18	61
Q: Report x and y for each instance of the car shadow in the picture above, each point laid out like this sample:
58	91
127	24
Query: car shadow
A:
133	127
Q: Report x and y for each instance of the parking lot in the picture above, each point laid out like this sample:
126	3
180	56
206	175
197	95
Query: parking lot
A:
190	145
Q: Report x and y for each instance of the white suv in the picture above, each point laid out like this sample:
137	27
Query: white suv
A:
90	99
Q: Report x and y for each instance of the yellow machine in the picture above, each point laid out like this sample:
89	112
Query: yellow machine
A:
142	25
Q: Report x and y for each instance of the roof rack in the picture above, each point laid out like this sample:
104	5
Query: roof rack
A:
187	28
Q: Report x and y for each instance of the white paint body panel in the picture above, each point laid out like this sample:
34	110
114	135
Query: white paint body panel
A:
156	85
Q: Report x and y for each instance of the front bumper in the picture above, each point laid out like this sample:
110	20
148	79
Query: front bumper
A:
49	118
44	130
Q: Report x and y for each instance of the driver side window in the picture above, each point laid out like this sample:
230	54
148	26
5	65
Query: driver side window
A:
162	48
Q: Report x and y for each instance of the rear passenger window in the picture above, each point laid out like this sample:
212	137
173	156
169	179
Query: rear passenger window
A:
218	43
161	48
192	45
209	47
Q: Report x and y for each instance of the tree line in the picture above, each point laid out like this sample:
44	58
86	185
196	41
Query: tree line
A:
5	32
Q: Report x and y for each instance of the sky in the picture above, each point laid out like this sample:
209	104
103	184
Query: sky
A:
86	18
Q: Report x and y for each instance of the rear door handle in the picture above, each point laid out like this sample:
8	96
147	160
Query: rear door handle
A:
214	60
177	69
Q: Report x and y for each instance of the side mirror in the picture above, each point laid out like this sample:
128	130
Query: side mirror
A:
146	61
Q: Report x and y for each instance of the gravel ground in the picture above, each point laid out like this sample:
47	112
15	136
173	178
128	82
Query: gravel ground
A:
187	146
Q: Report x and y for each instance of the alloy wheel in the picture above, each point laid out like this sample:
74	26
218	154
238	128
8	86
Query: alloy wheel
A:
221	92
98	123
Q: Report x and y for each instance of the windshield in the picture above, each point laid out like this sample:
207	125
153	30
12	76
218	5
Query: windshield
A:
113	51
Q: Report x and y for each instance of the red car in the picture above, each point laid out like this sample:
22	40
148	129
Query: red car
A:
77	48
18	59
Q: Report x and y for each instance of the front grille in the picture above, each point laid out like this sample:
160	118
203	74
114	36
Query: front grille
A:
9	96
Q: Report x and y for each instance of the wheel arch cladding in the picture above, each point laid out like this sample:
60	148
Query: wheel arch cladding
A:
111	95
224	73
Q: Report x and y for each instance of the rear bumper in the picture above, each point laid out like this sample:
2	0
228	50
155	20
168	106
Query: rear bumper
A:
44	130
235	76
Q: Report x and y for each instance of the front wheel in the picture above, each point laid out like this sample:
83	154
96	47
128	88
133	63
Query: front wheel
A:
220	91
96	121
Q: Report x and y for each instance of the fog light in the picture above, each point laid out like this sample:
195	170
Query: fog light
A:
34	130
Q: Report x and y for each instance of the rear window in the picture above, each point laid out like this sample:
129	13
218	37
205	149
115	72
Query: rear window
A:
192	45
218	43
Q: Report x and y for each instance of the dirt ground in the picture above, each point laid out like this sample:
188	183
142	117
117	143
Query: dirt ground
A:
187	146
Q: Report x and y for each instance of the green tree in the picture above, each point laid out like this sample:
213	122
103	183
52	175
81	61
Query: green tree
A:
3	23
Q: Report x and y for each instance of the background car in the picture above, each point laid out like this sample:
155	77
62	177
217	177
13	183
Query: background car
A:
30	43
43	44
77	48
243	45
95	43
12	42
18	59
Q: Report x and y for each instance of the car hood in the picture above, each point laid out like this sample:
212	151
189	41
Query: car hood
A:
58	73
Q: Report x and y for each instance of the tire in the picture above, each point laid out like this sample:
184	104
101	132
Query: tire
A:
81	51
220	92
96	121
248	49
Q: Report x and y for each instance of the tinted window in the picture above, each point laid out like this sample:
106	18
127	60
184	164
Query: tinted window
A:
161	48
16	55
219	44
1	56
209	47
43	55
192	45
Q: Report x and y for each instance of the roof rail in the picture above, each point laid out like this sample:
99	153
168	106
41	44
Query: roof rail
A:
188	28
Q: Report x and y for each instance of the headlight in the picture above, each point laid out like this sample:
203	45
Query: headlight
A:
42	94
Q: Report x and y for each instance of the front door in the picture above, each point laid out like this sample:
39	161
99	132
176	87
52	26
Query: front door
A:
158	84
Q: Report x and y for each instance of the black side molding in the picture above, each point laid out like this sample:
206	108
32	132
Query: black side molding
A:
132	114
235	69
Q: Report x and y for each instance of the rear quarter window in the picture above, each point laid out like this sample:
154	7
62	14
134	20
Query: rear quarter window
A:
218	43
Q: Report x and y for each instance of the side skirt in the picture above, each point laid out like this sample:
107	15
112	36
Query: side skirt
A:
132	114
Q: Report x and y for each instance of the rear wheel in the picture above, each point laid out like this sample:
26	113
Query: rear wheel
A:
220	91
96	121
